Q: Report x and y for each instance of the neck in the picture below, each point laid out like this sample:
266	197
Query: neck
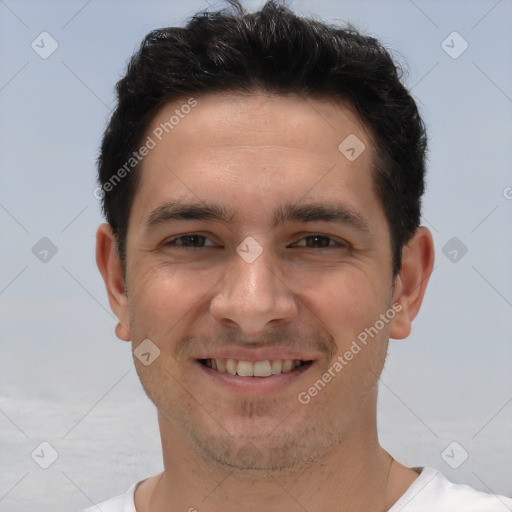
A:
357	474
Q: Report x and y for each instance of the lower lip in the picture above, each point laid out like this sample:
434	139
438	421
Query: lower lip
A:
256	385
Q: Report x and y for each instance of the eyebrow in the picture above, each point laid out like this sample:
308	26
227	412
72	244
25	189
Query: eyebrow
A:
177	210
320	212
313	212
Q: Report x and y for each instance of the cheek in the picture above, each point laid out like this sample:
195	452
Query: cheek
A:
163	297
346	301
156	300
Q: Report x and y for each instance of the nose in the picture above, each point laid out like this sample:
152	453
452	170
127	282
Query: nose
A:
254	295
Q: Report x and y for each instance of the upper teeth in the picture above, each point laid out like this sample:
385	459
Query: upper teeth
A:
253	369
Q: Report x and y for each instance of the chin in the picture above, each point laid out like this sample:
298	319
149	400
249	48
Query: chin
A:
264	452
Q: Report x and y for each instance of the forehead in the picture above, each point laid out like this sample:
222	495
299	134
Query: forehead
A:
235	146
318	124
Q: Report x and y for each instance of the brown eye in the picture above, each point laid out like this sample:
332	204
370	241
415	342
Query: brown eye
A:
318	242
191	240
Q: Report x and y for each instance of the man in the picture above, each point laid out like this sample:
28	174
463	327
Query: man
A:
262	178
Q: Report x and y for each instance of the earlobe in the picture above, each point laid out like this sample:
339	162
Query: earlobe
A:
411	282
122	332
109	266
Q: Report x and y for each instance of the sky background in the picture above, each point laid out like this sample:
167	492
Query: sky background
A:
66	380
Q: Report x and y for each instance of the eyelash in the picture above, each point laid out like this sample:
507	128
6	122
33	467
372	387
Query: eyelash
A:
171	242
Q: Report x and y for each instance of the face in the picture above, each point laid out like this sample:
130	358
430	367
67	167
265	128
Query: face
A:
257	254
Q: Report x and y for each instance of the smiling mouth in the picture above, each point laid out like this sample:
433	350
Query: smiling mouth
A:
265	368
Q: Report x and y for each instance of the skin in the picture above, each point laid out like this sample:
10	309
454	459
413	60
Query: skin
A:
224	448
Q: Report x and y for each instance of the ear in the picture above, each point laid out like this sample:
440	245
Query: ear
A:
411	282
109	265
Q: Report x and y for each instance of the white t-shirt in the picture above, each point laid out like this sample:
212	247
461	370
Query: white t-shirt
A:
430	492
